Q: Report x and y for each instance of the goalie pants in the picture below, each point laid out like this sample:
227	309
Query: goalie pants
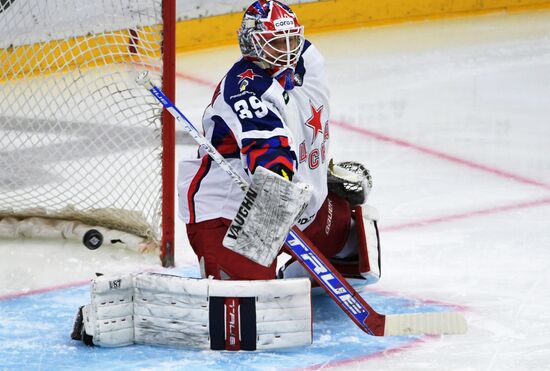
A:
328	232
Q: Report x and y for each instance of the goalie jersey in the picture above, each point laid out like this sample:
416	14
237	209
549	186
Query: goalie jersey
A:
252	121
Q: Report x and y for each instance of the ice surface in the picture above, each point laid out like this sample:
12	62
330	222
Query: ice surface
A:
452	118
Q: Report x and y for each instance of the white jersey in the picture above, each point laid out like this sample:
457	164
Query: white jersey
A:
252	121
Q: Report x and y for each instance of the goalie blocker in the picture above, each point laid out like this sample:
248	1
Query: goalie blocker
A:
272	204
157	309
270	207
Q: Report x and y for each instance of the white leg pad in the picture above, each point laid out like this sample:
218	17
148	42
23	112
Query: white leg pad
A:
161	309
171	310
283	309
109	317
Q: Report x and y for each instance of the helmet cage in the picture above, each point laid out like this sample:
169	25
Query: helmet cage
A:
270	35
278	48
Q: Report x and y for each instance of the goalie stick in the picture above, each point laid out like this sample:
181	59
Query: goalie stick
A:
364	316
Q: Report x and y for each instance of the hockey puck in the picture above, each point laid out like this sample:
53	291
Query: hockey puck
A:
92	239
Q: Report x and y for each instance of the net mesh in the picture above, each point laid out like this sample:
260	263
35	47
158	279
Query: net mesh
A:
79	140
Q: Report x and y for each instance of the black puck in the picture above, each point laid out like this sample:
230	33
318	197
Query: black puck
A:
92	239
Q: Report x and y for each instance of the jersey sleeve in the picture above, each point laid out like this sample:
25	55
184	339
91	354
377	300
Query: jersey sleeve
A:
255	104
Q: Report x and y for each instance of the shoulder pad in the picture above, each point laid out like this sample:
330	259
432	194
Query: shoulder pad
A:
245	78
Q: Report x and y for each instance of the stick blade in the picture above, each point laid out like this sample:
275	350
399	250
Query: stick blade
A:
432	323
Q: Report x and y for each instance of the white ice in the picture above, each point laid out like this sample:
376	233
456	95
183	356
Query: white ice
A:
453	119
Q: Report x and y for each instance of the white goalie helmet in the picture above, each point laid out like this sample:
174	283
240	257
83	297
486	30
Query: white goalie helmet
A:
270	35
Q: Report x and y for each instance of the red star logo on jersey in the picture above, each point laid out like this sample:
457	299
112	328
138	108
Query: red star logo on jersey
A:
314	121
248	74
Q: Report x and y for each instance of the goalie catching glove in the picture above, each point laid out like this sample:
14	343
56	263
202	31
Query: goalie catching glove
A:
269	209
349	180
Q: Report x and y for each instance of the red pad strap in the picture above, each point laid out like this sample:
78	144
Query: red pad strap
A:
232	324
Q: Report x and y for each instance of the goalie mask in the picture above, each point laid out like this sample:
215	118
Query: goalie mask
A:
271	36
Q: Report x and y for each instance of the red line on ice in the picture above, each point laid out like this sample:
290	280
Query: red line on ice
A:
468	214
413	298
42	290
381	353
403	143
196	80
438	154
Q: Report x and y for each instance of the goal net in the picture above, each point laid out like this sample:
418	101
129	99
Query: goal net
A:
82	146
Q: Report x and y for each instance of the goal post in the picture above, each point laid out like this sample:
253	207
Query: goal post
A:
169	137
81	145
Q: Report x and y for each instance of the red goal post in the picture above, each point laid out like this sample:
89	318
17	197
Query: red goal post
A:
81	145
